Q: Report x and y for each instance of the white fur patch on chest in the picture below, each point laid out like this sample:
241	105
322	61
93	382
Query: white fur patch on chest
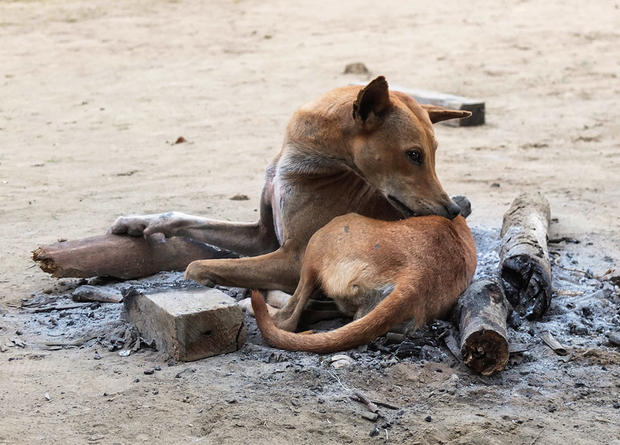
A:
277	206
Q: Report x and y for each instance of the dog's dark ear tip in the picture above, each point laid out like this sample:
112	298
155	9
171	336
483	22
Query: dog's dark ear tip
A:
374	98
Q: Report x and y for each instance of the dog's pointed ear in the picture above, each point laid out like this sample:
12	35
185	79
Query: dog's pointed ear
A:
438	114
373	99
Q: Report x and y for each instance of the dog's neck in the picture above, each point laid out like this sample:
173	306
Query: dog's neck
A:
319	143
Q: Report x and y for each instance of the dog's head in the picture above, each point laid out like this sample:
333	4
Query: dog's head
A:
394	149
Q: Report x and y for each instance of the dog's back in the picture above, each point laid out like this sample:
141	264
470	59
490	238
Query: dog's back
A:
382	273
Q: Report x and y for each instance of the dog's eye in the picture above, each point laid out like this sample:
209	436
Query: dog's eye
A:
414	156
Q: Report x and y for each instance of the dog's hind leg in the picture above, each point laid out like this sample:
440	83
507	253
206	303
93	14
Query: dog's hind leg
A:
275	270
288	316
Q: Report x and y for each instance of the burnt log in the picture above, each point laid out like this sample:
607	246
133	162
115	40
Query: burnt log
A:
123	257
524	265
481	314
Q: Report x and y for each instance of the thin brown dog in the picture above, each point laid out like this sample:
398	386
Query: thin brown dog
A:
381	273
365	150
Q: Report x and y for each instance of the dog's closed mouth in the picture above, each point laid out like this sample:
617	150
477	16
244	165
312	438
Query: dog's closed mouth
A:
406	211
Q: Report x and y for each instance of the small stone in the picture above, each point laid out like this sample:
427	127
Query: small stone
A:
356	68
374	432
495	185
180	140
614	338
18	332
149	371
339	364
47	396
577	329
124	352
136	381
17	342
370	416
339	357
97	356
239	197
428	418
185	371
97	294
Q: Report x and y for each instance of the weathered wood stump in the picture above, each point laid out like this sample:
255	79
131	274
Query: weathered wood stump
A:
524	266
124	257
481	314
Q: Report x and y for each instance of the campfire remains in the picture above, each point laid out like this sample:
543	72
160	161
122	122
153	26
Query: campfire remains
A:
523	276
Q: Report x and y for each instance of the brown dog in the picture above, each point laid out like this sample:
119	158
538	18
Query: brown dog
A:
382	273
365	150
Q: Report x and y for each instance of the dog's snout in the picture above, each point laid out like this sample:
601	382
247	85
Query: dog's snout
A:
452	209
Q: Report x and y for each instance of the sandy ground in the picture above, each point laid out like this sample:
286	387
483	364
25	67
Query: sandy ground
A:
93	93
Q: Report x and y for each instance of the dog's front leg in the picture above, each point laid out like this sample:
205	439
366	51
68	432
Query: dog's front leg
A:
242	238
168	223
275	270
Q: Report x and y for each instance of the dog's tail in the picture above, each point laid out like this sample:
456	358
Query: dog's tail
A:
388	313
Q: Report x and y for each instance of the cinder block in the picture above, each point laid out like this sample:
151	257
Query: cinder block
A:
189	324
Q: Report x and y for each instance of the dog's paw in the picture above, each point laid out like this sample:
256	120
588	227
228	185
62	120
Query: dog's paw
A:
246	306
197	271
144	225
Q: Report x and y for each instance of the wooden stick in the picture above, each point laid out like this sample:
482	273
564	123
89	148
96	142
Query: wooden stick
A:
524	257
122	257
361	397
555	345
481	313
60	307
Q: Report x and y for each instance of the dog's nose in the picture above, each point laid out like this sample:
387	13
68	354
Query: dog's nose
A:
452	209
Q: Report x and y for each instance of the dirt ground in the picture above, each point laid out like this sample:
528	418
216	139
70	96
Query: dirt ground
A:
92	96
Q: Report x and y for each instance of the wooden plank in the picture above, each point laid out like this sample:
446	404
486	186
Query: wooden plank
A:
475	106
189	324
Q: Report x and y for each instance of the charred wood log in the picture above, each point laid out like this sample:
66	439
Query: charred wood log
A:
481	313
123	257
524	266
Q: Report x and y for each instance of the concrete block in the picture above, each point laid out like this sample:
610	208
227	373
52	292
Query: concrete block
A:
189	324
